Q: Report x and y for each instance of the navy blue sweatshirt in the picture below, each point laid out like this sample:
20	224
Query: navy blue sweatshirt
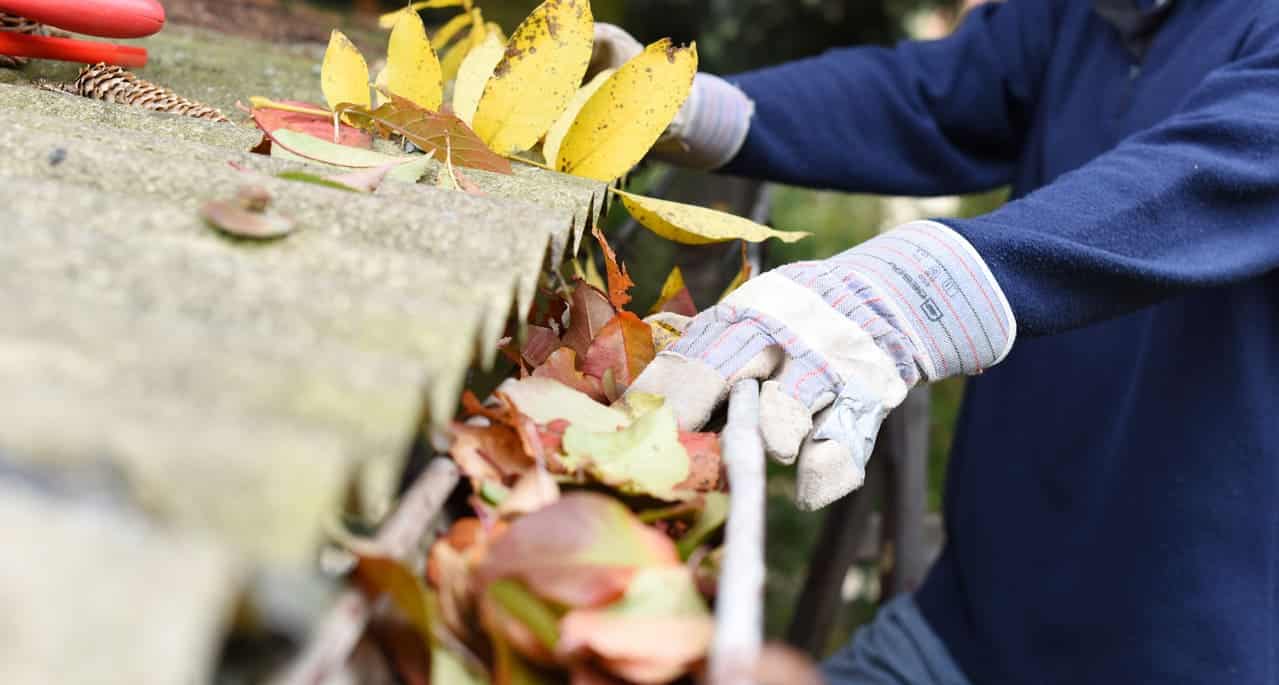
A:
1112	505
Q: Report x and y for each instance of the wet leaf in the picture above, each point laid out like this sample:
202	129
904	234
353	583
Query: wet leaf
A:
545	60
474	73
619	282
545	400
561	366
657	632
412	70
693	225
644	458
271	119
624	346
675	297
434	132
626	116
712	516
344	75
590	567
231	217
589	311
555	136
387	20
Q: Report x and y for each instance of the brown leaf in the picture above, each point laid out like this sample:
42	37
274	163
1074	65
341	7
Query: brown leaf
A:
589	310
432	132
704	461
619	282
231	217
580	551
494	452
624	346
562	366
541	342
506	413
269	120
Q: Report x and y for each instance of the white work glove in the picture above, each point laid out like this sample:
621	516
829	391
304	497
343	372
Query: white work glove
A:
711	127
838	343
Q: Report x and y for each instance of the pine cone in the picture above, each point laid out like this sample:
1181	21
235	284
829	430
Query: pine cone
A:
116	84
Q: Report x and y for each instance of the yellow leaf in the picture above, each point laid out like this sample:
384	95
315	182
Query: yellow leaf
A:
621	121
543	66
388	20
412	70
344	77
743	275
673	285
692	225
449	30
474	73
555	136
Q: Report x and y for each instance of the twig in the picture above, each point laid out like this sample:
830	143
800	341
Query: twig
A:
739	619
335	638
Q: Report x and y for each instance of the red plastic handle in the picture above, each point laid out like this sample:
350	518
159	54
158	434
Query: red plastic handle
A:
106	18
71	50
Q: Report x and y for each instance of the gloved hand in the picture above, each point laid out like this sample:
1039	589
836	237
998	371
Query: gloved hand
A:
839	342
708	130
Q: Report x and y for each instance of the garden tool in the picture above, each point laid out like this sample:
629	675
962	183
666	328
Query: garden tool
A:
104	18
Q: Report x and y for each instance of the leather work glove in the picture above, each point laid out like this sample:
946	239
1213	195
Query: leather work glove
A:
838	343
708	130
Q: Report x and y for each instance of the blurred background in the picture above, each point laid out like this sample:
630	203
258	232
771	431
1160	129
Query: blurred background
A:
732	36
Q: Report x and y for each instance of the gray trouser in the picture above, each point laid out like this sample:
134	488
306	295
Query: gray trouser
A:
897	648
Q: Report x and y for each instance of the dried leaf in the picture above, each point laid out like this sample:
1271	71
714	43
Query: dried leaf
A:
589	310
544	63
589	568
545	401
712	516
667	327
541	342
561	365
493	452
644	458
412	70
474	73
624	346
379	574
344	76
619	282
299	146
657	632
675	297
434	132
693	225
705	461
534	490
231	217
388	20
622	120
271	119
555	136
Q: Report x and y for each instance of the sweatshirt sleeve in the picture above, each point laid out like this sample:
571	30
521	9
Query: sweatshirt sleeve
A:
1190	203
923	118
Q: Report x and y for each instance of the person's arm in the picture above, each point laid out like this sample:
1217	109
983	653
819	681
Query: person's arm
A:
1190	203
923	118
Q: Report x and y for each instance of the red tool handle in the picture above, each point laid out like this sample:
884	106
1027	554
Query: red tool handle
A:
71	50
106	18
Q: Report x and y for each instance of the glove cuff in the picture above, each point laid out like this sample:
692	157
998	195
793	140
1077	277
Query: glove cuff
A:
941	295
710	128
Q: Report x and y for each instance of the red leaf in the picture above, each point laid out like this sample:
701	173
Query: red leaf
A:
624	346
562	366
444	134
270	120
704	461
619	282
541	342
589	310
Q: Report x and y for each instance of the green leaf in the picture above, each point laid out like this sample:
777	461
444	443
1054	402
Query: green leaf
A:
644	458
708	521
296	146
545	400
521	604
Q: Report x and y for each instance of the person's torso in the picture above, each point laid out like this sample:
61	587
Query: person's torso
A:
1112	505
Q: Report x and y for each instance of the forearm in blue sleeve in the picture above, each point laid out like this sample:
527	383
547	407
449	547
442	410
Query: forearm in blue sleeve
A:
924	118
1190	203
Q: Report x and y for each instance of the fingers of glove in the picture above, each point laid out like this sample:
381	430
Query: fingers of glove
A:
692	388
613	48
832	461
786	406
